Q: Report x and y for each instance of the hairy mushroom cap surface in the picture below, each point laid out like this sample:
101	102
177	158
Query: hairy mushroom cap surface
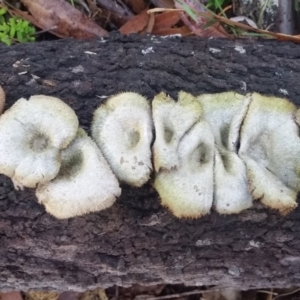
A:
225	113
270	147
32	134
188	190
2	99
84	184
122	128
172	120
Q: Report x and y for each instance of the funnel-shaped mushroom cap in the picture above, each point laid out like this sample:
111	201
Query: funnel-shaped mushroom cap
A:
172	120
84	184
2	99
32	134
225	113
122	128
188	190
270	147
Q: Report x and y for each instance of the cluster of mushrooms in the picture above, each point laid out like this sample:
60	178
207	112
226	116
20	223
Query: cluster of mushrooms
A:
214	150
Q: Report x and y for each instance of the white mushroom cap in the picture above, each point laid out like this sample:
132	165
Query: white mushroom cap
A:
2	99
122	128
32	134
270	147
171	121
188	190
84	184
225	113
231	193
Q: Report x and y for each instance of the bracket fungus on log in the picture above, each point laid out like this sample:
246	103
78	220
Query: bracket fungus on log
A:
122	128
84	184
270	147
183	156
32	133
225	113
217	150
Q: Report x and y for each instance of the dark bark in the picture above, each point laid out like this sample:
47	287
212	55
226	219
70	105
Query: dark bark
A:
136	240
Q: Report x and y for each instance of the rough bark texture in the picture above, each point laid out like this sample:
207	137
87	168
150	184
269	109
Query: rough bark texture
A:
136	240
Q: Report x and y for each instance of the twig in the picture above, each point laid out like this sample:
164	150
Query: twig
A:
173	296
158	9
45	30
267	292
287	294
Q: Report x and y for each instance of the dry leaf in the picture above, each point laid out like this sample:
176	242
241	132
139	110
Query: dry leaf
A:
69	21
183	30
200	27
136	24
194	5
26	16
137	6
163	3
166	20
95	10
116	7
11	296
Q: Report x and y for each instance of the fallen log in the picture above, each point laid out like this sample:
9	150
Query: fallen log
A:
136	240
